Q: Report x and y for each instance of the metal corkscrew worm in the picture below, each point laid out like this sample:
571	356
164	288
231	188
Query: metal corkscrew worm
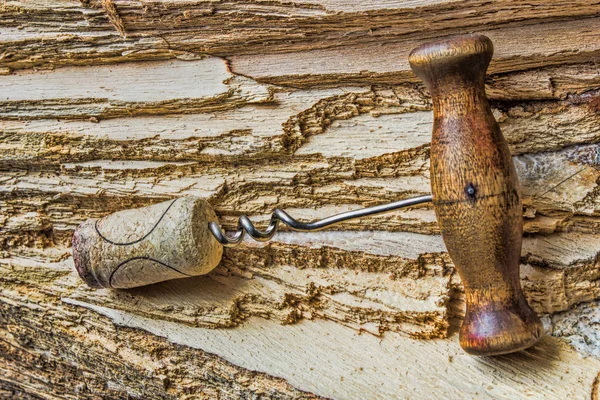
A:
246	226
475	195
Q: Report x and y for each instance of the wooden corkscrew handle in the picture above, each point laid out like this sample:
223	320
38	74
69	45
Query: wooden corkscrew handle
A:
476	196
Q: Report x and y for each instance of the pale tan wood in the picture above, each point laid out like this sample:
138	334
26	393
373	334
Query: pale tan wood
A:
144	88
168	29
387	62
307	106
376	370
330	366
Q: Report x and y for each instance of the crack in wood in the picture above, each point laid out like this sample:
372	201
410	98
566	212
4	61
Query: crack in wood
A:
113	16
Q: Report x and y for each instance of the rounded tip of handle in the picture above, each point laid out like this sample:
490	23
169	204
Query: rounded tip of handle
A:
502	331
452	48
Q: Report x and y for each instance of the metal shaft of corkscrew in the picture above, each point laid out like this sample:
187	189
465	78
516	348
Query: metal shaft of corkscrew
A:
246	226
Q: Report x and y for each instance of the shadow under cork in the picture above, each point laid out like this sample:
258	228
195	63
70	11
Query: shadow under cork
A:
211	301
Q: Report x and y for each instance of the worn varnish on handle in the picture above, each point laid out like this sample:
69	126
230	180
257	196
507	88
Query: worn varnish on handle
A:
476	196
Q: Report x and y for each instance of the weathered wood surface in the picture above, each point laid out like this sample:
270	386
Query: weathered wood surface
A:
308	106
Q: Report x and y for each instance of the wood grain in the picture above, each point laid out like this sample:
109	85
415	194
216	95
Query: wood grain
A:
309	106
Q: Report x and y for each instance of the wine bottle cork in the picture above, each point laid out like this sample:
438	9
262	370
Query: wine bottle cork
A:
139	247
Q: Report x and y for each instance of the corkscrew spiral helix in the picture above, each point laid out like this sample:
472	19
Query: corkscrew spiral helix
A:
245	226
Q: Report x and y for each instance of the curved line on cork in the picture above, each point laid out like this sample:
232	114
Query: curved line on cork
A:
138	240
142	258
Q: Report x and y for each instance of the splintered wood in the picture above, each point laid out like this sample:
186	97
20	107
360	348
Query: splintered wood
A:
309	106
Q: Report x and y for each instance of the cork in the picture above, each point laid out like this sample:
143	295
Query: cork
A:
138	247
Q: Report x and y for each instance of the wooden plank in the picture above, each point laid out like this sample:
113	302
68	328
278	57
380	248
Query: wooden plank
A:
389	368
309	123
388	62
579	326
310	106
174	29
130	89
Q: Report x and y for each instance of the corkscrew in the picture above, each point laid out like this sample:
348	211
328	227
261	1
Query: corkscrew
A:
475	195
246	226
177	238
